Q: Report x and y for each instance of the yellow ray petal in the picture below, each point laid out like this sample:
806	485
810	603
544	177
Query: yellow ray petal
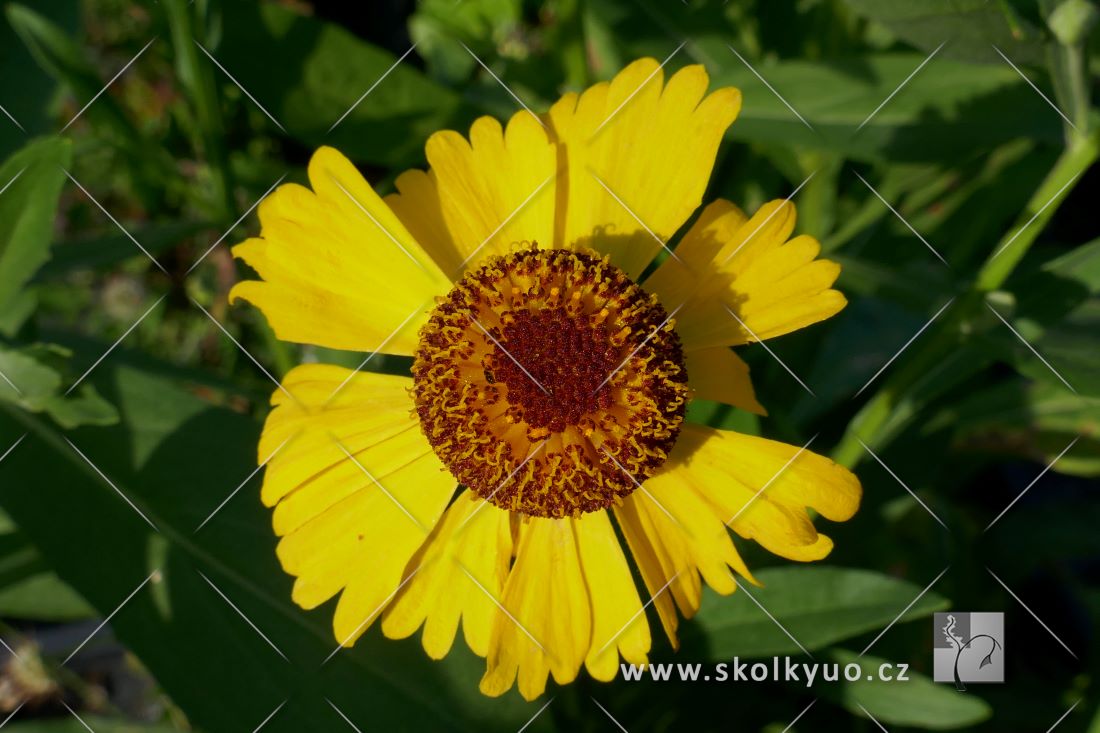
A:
482	195
618	622
762	488
774	286
348	523
547	627
719	374
648	144
474	539
338	268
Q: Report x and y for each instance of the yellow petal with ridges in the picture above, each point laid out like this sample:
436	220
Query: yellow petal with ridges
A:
638	154
338	268
618	622
772	286
547	627
474	539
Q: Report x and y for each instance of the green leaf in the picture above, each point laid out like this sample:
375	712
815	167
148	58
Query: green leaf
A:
818	605
33	384
177	458
32	179
1035	419
971	28
324	72
920	702
29	590
949	109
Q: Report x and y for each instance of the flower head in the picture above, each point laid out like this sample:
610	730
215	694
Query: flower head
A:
548	387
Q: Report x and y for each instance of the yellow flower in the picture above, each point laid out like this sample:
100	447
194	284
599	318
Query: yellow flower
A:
547	393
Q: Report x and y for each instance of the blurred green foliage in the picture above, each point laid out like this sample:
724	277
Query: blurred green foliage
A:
133	157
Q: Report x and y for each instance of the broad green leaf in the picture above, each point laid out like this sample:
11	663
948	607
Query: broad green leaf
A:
31	181
439	27
970	28
949	109
920	702
818	605
324	71
177	458
32	383
29	590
